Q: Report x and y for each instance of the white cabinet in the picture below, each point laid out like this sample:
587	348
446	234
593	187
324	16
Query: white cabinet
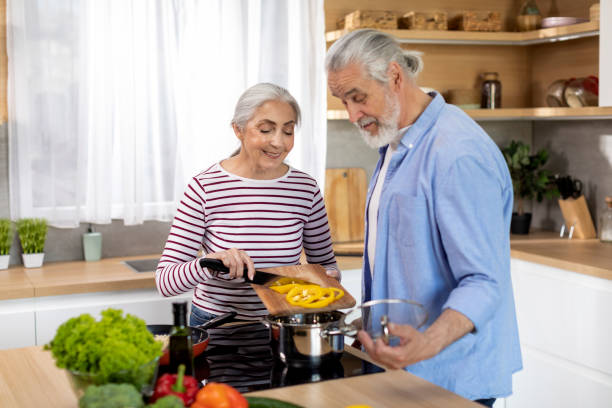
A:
17	320
351	281
566	333
33	321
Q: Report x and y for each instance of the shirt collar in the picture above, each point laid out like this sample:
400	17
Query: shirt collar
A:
412	133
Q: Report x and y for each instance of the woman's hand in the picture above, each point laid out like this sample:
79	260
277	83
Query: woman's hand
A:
334	273
235	259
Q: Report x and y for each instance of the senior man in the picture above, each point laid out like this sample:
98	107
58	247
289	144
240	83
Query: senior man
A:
437	221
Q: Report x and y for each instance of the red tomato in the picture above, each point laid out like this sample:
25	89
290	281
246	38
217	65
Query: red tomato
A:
217	395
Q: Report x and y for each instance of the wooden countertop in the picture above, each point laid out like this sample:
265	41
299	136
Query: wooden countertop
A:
64	278
586	256
590	257
29	378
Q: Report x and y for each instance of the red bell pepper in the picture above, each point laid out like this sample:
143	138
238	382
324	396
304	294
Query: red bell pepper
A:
183	386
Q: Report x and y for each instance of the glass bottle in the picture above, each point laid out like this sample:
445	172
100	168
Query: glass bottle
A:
529	7
491	91
181	351
605	228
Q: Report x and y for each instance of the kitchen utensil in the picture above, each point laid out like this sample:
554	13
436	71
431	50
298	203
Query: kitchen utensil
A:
568	187
577	216
549	22
304	338
374	318
276	302
260	278
345	196
199	335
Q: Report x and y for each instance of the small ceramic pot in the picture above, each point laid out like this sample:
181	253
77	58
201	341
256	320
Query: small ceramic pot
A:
33	260
4	261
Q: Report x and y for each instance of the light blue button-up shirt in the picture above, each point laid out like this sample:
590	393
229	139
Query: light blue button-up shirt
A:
443	241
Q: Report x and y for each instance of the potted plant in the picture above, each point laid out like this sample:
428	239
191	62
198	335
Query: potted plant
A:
32	234
6	239
529	181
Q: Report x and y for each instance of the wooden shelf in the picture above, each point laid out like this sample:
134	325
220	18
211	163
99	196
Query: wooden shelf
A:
545	35
520	114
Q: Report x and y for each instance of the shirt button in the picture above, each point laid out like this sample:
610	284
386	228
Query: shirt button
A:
410	146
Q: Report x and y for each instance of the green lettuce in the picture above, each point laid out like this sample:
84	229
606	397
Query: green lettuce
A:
113	349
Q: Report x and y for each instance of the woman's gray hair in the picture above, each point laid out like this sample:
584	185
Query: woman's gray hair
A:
374	51
257	95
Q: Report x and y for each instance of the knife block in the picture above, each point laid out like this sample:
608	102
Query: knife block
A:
576	213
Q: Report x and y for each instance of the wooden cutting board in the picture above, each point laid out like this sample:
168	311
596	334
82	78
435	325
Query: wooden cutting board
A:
276	303
345	195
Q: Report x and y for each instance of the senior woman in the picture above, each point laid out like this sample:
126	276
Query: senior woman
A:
249	210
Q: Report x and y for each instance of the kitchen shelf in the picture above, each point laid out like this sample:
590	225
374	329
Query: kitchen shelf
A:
546	35
585	113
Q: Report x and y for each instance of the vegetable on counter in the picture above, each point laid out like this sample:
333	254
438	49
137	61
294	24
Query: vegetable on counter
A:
217	395
307	295
115	344
111	396
169	401
262	402
183	386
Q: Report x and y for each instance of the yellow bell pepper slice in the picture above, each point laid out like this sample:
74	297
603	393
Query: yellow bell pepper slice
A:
283	288
326	298
301	295
338	293
286	281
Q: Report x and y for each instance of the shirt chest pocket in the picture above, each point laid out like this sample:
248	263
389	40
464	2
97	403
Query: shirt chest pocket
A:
408	220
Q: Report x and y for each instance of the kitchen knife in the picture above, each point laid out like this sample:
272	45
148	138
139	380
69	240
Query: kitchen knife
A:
260	278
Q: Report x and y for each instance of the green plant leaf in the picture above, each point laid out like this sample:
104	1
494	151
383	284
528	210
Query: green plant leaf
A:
32	234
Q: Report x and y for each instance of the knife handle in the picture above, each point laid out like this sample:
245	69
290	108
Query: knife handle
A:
214	264
217	265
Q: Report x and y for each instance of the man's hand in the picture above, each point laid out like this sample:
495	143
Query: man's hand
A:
416	346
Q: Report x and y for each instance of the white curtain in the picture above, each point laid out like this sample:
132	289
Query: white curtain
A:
115	104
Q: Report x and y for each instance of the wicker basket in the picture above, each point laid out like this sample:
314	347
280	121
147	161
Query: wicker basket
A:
383	19
476	21
414	20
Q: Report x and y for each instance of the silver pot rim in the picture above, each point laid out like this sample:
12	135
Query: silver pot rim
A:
269	319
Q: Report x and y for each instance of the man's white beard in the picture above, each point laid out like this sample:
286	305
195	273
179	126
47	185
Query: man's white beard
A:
387	126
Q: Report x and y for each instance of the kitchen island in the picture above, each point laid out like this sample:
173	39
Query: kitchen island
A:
29	378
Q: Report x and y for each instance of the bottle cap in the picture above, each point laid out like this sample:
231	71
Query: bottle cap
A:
487	76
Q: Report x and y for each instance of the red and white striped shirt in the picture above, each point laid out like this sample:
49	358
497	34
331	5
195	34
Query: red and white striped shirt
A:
271	220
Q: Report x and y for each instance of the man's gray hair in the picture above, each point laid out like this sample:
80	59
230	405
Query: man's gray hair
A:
374	51
257	95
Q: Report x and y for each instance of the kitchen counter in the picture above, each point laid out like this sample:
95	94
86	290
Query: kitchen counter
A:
64	278
29	378
589	257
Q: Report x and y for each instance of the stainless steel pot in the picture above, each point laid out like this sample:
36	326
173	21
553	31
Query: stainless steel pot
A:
306	338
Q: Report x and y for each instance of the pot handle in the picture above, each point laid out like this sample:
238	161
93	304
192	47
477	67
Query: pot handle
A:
270	324
347	330
217	321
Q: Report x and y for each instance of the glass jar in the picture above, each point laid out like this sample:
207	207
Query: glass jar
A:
491	91
605	227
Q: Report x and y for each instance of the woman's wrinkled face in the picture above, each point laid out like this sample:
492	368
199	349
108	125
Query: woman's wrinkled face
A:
268	136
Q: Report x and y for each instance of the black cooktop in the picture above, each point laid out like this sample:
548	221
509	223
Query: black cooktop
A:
244	357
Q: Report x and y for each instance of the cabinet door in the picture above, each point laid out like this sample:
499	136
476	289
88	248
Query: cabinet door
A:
17	322
147	304
565	333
